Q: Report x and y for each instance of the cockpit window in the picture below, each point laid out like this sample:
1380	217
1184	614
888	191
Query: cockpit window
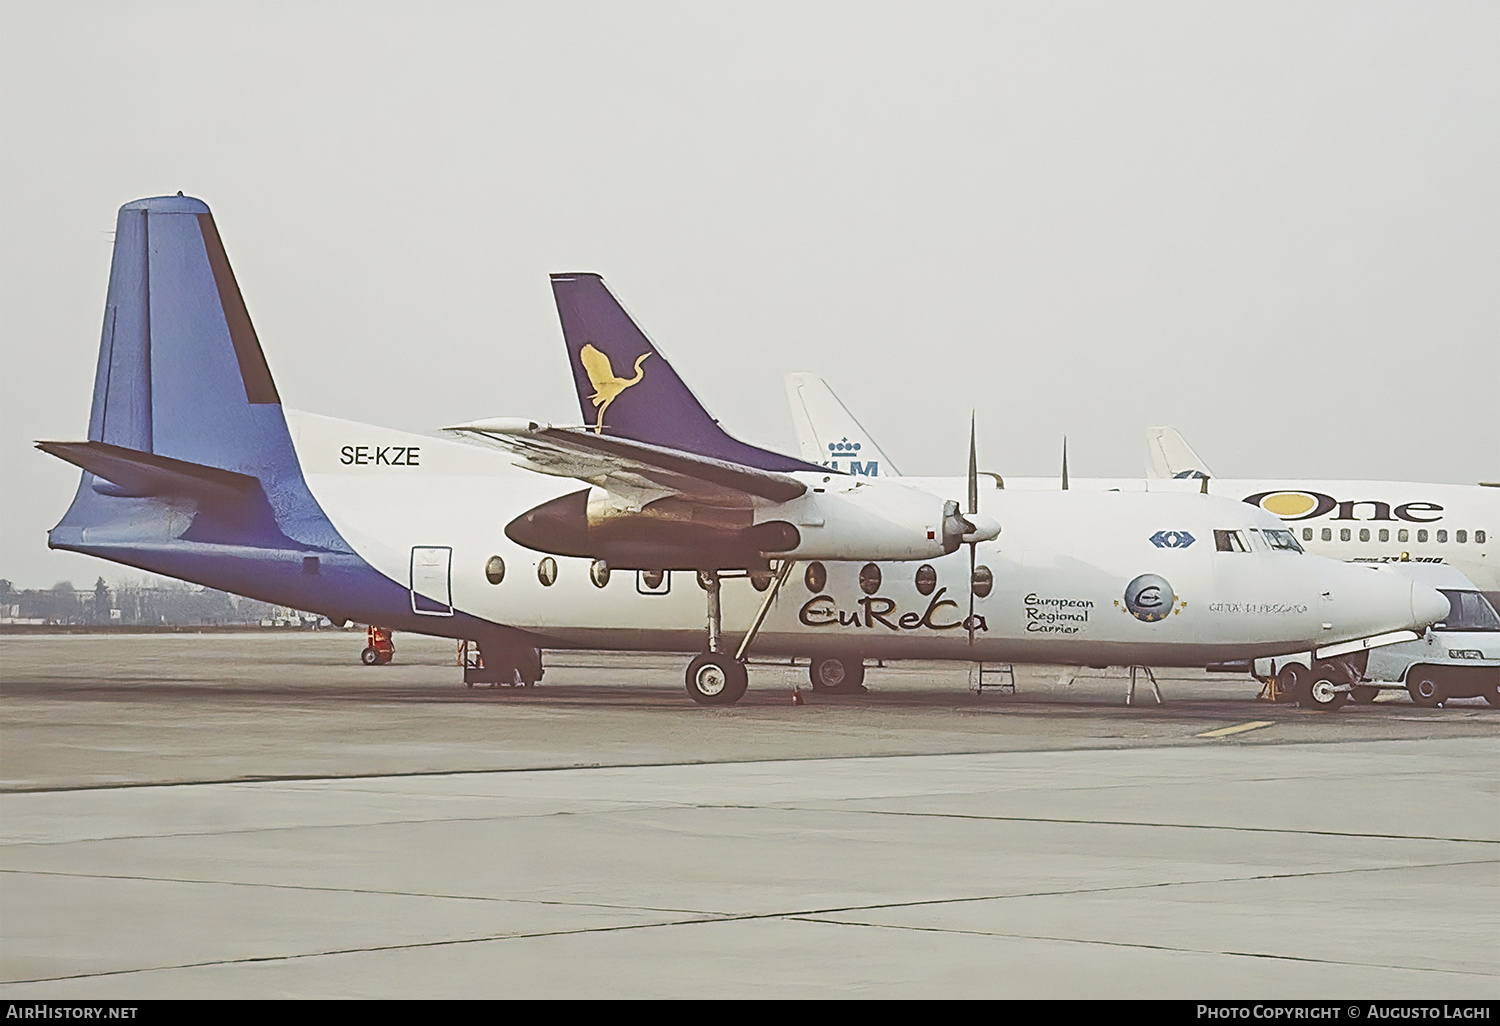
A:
1281	540
1230	541
1469	611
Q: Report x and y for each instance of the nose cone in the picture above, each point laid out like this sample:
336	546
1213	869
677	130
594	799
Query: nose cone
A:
1361	602
1428	605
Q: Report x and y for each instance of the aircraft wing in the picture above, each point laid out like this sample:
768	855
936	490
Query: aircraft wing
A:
635	473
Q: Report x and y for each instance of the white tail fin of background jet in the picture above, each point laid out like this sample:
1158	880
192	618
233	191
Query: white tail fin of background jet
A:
827	432
1167	455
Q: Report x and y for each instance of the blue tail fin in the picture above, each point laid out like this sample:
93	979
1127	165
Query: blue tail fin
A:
189	468
182	384
627	388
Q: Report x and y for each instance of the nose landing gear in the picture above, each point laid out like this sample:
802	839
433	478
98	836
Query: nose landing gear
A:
1332	682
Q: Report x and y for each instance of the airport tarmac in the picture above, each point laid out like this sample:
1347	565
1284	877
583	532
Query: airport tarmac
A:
248	815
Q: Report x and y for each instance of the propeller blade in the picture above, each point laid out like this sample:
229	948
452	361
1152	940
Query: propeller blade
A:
973	509
969	623
973	469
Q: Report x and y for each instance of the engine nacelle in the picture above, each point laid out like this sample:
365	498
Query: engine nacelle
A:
843	518
835	519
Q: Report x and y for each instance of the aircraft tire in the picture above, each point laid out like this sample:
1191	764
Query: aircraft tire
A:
1424	689
837	676
1290	682
369	657
1364	693
1320	694
714	679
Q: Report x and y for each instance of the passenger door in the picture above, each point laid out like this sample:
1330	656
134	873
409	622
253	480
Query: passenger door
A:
431	580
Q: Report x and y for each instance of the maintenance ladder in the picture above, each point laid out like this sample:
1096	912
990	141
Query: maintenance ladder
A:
997	677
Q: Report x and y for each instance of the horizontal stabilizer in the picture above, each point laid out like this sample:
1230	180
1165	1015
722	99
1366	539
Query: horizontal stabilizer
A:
130	472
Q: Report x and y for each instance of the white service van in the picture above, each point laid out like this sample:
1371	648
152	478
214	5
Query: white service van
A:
1456	658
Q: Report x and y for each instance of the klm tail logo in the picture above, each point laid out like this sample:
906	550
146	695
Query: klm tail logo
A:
607	387
846	449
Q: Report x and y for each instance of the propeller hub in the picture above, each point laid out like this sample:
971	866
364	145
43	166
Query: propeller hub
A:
966	528
983	528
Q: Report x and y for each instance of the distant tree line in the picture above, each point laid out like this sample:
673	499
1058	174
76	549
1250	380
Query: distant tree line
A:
167	602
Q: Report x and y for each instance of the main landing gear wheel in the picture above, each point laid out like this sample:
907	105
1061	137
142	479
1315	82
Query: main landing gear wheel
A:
1364	693
369	657
716	679
837	676
1424	690
1321	694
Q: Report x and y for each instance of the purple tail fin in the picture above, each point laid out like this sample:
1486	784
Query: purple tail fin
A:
627	388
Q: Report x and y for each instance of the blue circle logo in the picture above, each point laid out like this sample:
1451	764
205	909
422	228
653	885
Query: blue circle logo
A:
1149	598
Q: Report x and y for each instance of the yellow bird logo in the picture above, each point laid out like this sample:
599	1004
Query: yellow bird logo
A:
602	376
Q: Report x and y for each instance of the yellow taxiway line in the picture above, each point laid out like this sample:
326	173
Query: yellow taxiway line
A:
1238	728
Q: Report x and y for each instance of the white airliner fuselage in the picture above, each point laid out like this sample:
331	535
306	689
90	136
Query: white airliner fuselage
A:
1362	521
1060	574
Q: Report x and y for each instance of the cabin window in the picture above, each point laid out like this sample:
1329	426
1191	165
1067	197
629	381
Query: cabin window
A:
983	582
1385	534
869	578
1229	541
926	579
1442	536
1364	534
1344	534
815	577
1403	535
651	580
1328	534
1307	534
760	580
1460	536
1478	537
599	573
494	570
1422	534
546	572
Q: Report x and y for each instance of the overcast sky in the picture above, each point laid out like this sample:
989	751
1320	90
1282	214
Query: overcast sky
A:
1275	226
